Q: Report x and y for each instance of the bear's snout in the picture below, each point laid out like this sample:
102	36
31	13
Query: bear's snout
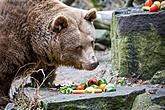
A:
90	66
94	65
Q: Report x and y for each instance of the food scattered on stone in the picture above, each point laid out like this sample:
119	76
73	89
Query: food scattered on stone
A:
154	6
92	86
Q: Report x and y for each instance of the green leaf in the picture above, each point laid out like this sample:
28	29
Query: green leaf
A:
94	86
110	89
73	87
102	82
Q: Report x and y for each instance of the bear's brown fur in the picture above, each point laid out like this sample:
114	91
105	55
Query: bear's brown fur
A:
43	34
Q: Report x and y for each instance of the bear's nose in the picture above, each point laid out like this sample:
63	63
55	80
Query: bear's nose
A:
95	64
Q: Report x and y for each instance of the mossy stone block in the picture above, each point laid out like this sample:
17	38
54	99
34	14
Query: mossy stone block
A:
138	42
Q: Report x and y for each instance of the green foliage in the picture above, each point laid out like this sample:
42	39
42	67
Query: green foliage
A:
96	4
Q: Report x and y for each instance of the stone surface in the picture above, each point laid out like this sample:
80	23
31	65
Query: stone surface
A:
148	101
122	99
143	102
158	78
100	47
159	97
102	37
138	40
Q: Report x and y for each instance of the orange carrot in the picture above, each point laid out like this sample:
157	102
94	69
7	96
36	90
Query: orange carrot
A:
97	90
78	92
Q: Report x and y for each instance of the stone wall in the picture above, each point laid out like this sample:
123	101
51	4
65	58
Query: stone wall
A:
138	42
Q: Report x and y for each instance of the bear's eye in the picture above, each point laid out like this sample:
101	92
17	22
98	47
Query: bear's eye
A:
79	48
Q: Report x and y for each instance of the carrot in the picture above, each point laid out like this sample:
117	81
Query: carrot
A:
78	92
97	90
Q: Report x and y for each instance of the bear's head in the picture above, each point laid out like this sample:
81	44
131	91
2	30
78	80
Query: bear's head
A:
64	36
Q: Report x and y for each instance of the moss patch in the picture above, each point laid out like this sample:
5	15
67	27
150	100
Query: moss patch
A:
143	102
140	50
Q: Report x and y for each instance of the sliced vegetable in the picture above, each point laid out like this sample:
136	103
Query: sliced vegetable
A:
89	90
73	87
102	82
80	87
66	90
92	81
162	3
157	3
110	88
102	86
95	86
85	85
69	91
92	90
148	3
92	87
78	92
162	7
97	90
154	8
146	8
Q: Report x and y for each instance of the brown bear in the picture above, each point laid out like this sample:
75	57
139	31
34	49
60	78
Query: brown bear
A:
43	34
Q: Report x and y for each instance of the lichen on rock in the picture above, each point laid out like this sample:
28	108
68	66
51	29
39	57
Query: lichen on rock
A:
158	78
143	102
137	43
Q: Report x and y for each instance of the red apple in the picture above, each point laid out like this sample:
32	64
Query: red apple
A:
148	3
154	8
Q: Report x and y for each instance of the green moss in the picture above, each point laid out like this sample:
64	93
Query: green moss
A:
143	102
158	78
138	53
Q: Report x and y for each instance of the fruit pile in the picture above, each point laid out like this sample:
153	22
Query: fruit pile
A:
154	6
92	86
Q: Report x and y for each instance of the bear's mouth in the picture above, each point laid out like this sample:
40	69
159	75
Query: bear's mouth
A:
88	67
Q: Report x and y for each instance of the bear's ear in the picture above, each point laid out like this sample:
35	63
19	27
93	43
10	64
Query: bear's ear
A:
90	15
58	23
